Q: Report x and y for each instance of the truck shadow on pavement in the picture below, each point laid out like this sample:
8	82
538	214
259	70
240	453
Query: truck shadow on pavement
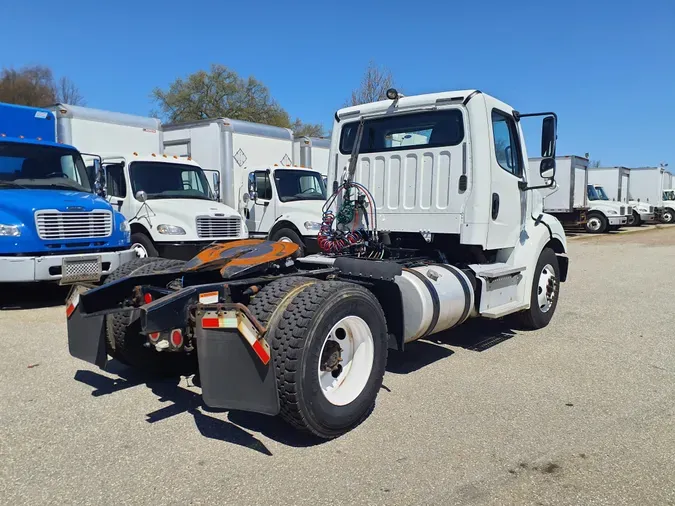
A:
474	335
32	296
185	400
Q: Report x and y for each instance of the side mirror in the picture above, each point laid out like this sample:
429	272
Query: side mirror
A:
547	168
141	196
253	196
216	185
548	137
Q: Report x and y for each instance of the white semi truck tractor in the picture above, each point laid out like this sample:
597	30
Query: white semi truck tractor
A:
417	237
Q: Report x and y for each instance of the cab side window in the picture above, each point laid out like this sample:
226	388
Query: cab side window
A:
116	184
263	185
505	137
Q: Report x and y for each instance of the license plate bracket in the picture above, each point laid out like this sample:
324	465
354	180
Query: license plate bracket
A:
80	268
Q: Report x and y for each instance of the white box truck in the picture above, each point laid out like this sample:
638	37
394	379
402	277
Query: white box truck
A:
255	166
313	153
604	214
616	182
167	200
567	199
648	187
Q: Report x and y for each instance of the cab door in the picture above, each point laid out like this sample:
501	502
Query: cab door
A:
260	212
507	201
117	189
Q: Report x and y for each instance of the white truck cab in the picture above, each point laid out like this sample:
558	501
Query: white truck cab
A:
668	206
642	212
284	203
169	204
604	214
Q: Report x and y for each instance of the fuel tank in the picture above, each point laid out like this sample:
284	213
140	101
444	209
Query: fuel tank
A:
436	297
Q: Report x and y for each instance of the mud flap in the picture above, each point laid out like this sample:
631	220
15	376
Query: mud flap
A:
86	334
232	375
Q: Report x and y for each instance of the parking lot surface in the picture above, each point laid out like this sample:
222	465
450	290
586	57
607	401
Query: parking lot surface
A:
581	412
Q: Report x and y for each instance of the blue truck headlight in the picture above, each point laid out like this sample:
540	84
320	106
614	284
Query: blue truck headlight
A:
170	230
124	226
312	225
10	230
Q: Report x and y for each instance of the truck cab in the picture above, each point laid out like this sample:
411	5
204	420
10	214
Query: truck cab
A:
668	206
171	208
604	214
53	227
285	203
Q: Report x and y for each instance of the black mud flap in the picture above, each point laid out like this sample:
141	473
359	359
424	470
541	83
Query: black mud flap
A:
86	334
232	373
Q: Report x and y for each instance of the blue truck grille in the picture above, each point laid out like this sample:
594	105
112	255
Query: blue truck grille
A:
53	224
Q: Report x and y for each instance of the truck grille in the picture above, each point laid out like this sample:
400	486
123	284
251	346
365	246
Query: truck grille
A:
208	226
651	209
630	211
622	211
53	224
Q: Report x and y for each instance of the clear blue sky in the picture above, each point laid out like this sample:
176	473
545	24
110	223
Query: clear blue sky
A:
607	69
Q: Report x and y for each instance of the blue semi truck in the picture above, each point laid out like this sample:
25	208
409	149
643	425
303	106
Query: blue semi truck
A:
53	227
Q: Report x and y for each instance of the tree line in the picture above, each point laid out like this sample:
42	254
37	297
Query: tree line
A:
217	92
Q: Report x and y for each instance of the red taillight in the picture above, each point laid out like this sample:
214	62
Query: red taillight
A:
147	298
153	336
177	337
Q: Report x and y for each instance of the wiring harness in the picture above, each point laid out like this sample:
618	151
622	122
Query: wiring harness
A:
353	229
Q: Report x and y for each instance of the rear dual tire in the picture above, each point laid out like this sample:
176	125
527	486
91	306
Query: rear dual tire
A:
329	347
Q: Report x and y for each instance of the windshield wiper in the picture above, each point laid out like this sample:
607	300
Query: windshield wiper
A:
12	184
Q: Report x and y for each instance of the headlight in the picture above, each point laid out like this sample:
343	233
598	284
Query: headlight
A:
170	230
124	226
611	212
10	230
312	225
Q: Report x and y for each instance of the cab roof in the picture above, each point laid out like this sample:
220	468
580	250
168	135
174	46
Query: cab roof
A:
408	102
37	142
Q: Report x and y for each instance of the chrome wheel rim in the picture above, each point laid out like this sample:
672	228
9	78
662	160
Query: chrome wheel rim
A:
594	224
140	250
546	288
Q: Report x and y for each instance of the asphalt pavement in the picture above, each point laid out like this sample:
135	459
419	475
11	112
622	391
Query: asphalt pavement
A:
580	413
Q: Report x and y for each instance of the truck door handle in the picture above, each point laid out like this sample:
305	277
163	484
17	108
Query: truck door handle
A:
495	206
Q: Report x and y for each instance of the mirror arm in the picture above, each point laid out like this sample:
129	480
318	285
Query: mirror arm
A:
523	186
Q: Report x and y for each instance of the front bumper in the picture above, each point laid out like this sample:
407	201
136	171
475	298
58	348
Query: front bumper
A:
617	220
49	267
647	216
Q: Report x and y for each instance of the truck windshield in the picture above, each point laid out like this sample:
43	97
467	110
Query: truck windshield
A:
24	165
601	193
669	195
299	185
163	180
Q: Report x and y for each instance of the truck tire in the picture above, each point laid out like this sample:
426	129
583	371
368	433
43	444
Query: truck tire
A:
668	215
288	235
143	245
596	223
123	338
329	346
544	294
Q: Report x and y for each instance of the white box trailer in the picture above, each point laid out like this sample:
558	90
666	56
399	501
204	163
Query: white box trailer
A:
168	202
254	163
648	186
567	201
615	181
312	152
98	131
227	147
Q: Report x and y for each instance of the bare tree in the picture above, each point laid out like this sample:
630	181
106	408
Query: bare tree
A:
68	93
594	163
374	85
